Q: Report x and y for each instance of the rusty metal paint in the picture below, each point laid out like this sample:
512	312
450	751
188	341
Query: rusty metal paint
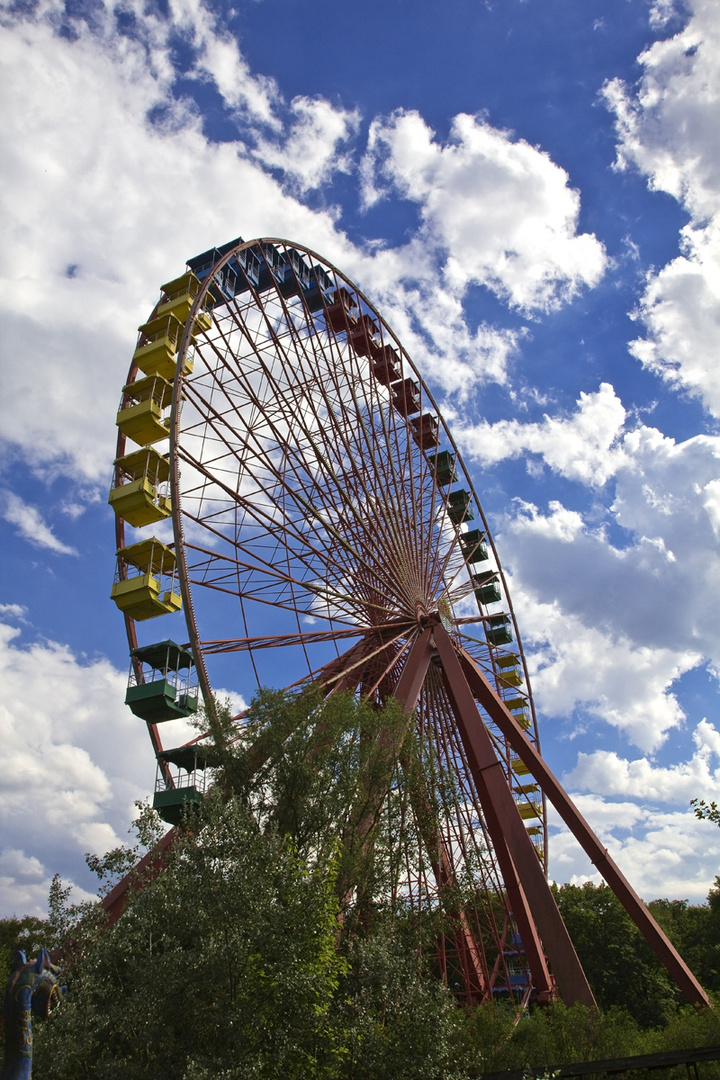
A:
596	851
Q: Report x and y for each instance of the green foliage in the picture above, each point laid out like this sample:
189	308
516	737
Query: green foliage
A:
232	962
706	811
547	1037
551	1035
277	942
691	1027
695	932
61	915
398	1021
114	865
622	969
28	934
333	775
227	960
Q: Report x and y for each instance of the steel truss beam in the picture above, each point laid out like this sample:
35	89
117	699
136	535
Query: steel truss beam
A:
407	693
530	899
520	867
598	854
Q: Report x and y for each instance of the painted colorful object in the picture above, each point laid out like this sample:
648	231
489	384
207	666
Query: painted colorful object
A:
32	989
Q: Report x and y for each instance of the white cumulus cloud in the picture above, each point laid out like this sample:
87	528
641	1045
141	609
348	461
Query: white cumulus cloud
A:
663	853
584	446
74	761
668	129
575	665
13	611
501	210
90	222
607	773
310	152
30	524
634	583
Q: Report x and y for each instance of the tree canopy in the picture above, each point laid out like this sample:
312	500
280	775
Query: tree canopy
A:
250	956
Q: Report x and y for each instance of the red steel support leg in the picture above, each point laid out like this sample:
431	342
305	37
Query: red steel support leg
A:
598	854
512	844
407	693
147	869
543	983
414	671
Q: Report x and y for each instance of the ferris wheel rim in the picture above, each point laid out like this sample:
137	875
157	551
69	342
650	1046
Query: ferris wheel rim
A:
471	705
202	647
447	433
384	642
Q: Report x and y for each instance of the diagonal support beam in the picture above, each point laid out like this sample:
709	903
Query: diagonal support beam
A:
388	746
515	852
147	869
413	674
580	829
407	693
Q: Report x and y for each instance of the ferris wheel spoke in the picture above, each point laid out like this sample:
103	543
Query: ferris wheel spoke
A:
339	486
369	445
273	601
317	564
309	492
266	521
321	558
282	412
378	674
410	524
228	568
352	482
311	514
348	670
363	451
273	641
251	435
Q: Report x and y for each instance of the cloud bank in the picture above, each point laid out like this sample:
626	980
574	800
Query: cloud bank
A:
668	130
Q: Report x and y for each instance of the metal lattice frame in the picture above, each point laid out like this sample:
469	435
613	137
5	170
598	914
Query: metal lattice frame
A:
312	524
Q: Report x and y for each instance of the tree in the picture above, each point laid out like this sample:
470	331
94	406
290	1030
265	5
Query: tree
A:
226	961
27	934
326	774
233	962
622	969
706	811
694	929
251	955
398	1021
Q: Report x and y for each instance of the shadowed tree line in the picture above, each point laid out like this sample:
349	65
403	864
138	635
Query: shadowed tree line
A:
276	944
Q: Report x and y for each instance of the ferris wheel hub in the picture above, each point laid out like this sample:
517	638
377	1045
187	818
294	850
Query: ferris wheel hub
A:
427	618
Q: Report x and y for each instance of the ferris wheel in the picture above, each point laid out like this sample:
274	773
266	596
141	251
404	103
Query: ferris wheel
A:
326	530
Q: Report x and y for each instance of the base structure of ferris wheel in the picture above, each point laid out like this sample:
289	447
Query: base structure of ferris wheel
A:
325	530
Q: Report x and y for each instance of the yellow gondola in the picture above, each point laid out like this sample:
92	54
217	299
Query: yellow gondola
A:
143	595
161	341
179	296
140	415
135	496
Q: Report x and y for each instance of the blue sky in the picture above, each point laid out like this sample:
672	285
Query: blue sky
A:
529	192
